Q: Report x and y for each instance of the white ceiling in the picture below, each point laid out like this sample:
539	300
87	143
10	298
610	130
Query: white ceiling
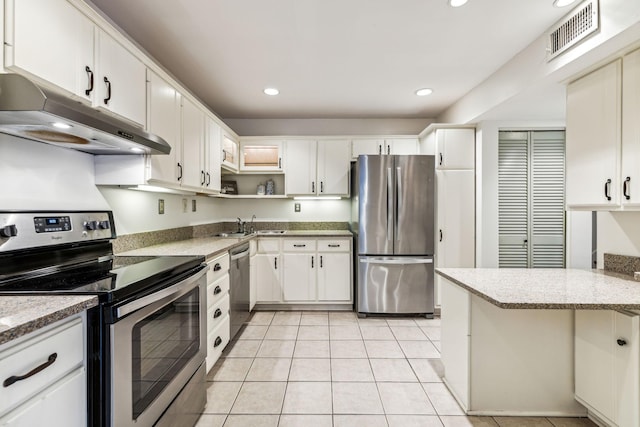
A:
331	58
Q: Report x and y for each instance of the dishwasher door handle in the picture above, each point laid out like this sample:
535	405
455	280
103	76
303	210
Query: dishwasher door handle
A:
239	255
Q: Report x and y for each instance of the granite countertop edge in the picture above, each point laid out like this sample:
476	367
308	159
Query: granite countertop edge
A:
595	305
211	247
23	314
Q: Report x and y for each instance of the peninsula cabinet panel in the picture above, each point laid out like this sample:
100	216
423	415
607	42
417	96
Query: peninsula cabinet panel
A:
607	354
593	139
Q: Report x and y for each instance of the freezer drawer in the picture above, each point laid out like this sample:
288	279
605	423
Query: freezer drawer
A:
395	285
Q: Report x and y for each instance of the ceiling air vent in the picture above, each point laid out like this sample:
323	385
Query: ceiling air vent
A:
580	23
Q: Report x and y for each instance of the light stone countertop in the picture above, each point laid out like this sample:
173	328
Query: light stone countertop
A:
550	288
210	247
22	314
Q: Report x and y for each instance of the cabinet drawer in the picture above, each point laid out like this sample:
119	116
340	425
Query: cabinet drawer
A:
64	345
342	245
299	245
217	313
266	246
218	267
217	340
217	290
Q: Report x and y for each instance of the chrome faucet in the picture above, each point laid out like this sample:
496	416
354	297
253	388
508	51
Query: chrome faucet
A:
240	226
251	227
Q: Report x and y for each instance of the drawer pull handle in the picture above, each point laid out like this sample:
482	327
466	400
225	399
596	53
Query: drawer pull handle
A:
14	379
217	313
90	76
217	267
320	261
217	342
621	342
108	98
607	189
334	246
625	188
217	290
299	246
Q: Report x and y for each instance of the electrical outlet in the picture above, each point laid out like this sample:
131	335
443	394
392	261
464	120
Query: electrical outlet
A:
193	205
161	206
296	207
184	205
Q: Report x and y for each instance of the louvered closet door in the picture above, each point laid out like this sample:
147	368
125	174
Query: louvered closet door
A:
513	199
547	190
531	199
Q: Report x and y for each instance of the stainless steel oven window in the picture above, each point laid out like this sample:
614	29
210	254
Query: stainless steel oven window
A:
162	344
122	343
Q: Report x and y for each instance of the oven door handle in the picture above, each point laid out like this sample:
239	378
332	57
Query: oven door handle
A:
176	289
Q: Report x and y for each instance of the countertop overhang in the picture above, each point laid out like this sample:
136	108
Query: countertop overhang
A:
522	288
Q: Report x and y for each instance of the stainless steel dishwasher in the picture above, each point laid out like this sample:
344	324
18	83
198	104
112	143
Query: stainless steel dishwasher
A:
239	287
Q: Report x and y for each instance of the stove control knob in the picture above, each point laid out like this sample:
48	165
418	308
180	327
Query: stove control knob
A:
8	231
90	225
104	225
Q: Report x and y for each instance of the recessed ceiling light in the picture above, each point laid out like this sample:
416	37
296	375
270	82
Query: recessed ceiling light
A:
271	91
457	3
61	125
563	3
424	92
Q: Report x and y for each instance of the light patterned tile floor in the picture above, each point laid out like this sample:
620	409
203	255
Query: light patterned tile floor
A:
331	369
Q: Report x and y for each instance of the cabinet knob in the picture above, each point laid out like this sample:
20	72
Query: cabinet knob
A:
217	290
217	342
217	267
217	313
621	342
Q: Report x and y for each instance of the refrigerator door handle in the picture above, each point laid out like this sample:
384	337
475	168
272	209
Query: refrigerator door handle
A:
396	260
398	201
389	202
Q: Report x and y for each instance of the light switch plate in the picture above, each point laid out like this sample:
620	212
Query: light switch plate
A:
296	207
184	205
193	205
161	206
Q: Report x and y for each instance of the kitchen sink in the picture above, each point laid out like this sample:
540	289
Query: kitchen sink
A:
271	231
232	234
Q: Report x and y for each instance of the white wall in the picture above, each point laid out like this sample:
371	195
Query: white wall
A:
38	176
268	127
618	233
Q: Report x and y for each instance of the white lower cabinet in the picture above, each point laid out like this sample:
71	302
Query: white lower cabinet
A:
218	326
306	271
607	355
57	394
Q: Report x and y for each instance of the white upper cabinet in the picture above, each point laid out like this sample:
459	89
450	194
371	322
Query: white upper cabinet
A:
230	153
333	168
164	121
630	177
300	172
212	155
261	156
593	139
384	146
120	81
402	146
191	168
317	168
52	41
455	148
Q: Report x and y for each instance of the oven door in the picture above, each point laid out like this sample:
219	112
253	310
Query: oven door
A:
157	344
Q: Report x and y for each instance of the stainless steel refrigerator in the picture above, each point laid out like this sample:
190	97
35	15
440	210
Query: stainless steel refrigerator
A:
393	223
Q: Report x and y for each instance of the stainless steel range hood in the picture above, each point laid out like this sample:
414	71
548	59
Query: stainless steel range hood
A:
32	112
